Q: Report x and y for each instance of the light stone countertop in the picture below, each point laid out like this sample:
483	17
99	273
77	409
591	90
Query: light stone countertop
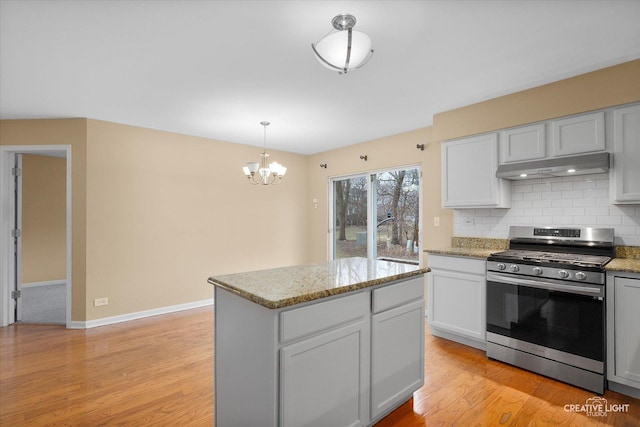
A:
286	286
464	252
474	247
629	265
627	259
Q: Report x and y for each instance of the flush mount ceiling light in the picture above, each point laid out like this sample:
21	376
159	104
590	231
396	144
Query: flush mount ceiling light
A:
260	172
345	49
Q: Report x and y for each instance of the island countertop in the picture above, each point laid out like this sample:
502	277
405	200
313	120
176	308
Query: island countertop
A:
281	287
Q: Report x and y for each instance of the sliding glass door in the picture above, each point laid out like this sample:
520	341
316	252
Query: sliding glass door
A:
377	215
350	217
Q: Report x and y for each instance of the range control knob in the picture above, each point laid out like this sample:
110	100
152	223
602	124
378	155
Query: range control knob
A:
501	266
537	271
563	273
514	268
581	276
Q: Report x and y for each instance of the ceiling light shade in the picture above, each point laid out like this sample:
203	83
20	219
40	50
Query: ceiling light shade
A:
345	49
259	172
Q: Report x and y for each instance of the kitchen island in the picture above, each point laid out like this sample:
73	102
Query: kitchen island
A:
340	343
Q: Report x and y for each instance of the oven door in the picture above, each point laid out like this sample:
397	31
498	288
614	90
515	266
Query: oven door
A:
556	319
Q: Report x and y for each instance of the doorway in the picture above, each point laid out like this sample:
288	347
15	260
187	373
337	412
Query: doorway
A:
40	293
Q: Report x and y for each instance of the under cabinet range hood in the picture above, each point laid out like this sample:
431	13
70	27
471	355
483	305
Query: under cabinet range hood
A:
561	166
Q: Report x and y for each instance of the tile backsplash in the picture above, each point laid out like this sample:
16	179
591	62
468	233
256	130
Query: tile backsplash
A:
564	201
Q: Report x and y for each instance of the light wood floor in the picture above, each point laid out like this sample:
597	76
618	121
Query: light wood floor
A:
159	371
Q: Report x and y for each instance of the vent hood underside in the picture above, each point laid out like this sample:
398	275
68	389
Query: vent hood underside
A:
561	166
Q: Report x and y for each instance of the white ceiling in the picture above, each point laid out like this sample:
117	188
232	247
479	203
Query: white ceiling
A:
217	68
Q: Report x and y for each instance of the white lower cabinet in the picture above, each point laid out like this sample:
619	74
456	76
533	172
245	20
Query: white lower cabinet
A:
623	331
456	299
345	361
397	356
323	379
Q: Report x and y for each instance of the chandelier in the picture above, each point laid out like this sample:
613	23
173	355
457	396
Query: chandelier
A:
345	49
260	172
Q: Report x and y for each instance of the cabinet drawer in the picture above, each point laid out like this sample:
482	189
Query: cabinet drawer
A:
398	294
460	264
322	316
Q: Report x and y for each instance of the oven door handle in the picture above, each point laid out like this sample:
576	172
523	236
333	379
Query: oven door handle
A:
571	289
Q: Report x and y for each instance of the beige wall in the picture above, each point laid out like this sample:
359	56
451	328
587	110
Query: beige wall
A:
61	132
44	218
383	153
166	211
604	88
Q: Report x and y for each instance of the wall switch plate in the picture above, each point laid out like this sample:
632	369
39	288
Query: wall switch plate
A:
436	221
100	301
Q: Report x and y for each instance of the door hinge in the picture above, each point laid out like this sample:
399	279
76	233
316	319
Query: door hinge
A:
16	172
15	294
16	233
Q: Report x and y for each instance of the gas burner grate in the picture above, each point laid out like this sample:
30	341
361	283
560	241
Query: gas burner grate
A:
561	258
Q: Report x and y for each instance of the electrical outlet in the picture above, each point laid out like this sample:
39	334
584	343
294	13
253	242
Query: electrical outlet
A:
436	221
469	221
100	301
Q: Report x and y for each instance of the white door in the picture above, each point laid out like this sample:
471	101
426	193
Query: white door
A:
11	240
16	293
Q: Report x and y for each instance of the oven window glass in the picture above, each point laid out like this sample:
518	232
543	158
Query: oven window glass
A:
566	322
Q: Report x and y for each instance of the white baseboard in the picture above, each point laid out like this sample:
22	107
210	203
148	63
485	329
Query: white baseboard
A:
138	315
624	389
471	342
47	283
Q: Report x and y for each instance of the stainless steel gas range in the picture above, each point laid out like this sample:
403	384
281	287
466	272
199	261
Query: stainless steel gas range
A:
545	302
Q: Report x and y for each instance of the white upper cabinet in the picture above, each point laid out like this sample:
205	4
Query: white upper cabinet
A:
624	178
522	143
469	174
578	134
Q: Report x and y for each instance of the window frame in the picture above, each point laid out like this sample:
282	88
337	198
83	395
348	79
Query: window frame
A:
371	179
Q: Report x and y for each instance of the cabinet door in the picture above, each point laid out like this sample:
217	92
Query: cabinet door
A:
324	379
469	174
397	356
627	329
457	303
579	134
625	173
523	143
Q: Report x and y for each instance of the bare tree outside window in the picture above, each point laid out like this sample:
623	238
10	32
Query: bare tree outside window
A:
350	198
398	214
